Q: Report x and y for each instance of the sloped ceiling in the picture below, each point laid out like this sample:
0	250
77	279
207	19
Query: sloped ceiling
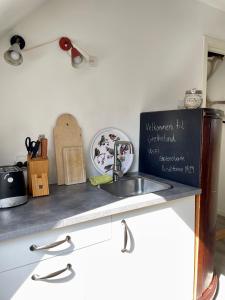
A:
219	4
12	11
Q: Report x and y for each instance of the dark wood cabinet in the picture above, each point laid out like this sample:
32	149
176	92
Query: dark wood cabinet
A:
206	204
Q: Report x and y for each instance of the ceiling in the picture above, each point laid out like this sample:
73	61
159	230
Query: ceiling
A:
12	11
219	4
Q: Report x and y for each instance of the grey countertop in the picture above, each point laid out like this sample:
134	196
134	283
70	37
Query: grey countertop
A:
68	205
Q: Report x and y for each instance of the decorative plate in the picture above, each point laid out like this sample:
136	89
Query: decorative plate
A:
102	151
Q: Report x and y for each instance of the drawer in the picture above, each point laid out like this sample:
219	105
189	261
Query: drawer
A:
16	252
17	284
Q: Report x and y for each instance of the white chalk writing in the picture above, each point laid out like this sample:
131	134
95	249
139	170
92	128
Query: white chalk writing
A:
176	124
162	138
171	158
189	169
180	124
171	169
158	127
153	151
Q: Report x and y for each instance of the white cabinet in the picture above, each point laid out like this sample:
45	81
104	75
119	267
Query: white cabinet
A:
16	252
159	261
16	281
17	284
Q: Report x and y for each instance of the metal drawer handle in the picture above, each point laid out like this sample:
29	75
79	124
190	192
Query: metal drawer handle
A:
124	249
38	277
36	248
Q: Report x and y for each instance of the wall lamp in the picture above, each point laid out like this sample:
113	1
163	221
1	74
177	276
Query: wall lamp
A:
14	56
78	55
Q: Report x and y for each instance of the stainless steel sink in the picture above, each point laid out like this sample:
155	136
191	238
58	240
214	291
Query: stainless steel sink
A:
132	186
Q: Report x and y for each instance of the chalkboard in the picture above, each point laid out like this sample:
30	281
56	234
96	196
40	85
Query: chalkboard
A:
170	145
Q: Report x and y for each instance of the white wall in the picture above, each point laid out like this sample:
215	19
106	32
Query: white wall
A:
220	4
215	92
149	52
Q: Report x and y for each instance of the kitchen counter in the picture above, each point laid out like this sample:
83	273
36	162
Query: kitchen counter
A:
68	205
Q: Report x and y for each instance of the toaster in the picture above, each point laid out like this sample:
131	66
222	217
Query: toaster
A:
12	187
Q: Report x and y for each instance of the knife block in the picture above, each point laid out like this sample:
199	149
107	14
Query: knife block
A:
37	173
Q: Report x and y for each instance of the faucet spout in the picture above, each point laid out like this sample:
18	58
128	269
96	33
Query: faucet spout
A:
117	165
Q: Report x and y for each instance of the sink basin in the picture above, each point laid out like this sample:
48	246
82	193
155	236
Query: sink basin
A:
133	186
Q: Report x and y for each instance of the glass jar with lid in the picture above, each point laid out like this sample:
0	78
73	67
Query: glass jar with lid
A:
193	98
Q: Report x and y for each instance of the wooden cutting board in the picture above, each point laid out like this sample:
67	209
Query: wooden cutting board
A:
69	151
73	163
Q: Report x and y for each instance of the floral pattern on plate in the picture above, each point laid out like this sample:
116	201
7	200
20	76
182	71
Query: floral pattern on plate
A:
102	150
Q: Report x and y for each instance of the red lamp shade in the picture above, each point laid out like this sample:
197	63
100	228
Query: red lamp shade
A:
65	43
75	52
76	57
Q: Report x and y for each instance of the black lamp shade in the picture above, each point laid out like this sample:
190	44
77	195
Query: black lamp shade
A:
13	55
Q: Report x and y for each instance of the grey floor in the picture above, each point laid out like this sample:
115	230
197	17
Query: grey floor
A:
220	260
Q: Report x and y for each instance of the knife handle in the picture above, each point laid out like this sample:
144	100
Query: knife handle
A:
35	149
44	148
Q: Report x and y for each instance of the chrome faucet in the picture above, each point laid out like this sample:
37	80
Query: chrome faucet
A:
117	172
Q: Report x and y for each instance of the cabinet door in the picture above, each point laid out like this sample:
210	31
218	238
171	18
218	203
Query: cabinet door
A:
159	261
18	284
16	253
